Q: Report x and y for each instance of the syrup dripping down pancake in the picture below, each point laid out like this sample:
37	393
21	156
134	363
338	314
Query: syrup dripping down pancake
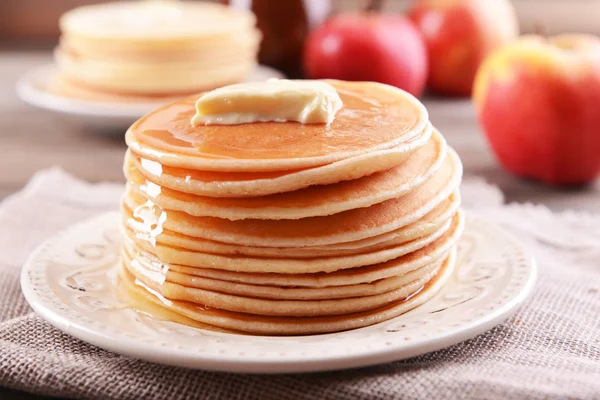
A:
313	201
138	266
291	265
346	226
438	219
247	184
426	255
276	325
281	307
432	221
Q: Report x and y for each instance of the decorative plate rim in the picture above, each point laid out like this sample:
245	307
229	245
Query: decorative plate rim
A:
46	303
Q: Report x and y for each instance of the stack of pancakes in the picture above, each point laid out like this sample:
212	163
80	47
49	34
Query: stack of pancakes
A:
146	49
283	228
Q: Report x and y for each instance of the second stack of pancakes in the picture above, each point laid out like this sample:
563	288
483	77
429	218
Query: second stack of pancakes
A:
153	49
284	228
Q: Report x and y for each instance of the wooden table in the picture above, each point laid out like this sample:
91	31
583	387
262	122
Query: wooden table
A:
33	139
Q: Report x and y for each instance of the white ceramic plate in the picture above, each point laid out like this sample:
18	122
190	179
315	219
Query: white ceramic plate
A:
31	88
70	282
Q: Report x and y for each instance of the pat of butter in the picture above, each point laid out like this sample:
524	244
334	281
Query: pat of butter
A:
278	100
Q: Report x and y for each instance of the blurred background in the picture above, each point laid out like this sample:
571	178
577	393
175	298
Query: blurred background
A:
34	22
33	139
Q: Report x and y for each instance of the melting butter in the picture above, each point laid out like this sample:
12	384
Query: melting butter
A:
277	100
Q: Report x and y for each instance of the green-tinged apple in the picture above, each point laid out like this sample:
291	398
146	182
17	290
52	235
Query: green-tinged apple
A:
459	34
538	100
368	46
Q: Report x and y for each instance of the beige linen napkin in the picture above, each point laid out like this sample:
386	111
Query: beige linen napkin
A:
550	349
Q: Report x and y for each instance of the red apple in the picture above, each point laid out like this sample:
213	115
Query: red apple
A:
368	46
459	34
538	100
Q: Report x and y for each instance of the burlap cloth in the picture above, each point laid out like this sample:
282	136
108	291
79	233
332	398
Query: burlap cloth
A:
550	349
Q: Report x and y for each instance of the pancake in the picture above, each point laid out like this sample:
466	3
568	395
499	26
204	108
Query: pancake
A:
398	266
273	325
290	265
436	220
62	86
136	266
280	307
246	184
229	49
140	266
134	22
431	222
157	78
285	228
346	226
153	50
313	201
375	117
429	254
186	245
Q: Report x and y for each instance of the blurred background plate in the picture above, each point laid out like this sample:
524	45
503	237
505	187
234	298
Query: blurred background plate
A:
31	88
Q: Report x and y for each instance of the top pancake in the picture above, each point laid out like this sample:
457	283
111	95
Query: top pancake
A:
374	117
